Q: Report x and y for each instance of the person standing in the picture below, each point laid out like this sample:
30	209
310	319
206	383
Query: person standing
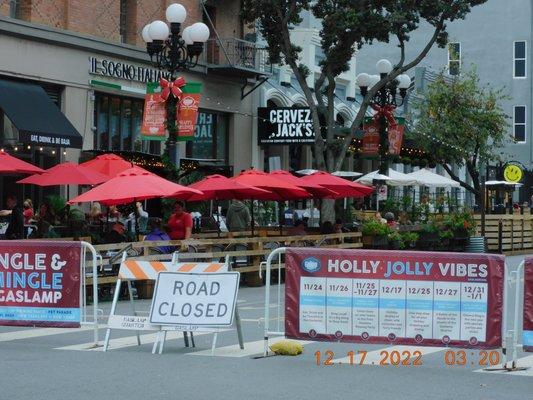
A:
15	229
180	223
238	217
28	211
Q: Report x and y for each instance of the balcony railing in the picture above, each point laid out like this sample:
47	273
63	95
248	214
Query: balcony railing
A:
237	57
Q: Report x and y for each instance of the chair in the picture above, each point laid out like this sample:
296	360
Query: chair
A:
238	261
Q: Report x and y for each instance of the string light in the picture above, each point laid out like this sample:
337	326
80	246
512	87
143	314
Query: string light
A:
40	149
64	153
53	152
29	147
16	148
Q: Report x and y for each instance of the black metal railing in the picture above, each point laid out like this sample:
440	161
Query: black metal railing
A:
238	54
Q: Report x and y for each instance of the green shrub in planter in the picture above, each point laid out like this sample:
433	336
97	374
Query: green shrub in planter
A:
409	239
396	241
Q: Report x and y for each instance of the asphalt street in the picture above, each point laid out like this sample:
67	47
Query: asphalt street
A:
43	364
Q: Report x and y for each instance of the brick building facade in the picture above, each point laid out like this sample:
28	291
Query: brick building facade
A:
63	45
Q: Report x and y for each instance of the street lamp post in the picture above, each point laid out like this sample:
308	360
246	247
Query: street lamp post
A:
173	50
384	102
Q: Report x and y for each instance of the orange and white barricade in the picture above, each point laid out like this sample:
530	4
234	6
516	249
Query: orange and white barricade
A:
139	270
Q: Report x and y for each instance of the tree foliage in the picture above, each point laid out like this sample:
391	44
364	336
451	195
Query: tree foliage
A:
346	26
461	121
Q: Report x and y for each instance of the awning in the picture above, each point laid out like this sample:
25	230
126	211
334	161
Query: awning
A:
36	117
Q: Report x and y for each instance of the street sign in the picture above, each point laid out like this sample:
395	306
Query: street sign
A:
402	297
203	299
513	173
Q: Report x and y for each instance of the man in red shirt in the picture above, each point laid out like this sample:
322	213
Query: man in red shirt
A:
180	223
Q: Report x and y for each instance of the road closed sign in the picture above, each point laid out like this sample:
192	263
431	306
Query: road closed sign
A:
203	299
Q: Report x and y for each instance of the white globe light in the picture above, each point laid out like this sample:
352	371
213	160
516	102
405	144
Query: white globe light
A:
384	66
199	32
145	34
158	30
374	79
186	35
404	81
176	13
363	80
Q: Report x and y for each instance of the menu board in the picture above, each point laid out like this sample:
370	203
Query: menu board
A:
394	297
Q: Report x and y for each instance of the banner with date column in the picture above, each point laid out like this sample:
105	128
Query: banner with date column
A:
528	304
40	283
400	297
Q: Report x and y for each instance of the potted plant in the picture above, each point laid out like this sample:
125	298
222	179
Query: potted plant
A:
463	225
409	239
429	236
395	240
375	234
445	236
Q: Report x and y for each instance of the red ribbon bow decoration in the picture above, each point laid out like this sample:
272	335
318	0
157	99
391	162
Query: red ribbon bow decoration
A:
173	87
387	112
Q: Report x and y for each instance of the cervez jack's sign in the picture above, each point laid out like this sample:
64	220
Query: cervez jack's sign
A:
285	125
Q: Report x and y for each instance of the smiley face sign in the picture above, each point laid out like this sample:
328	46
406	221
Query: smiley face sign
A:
513	173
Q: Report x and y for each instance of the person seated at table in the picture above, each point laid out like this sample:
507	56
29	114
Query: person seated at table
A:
327	228
298	229
142	218
27	211
180	223
379	218
15	229
391	221
95	214
156	234
113	214
338	227
116	234
45	219
238	216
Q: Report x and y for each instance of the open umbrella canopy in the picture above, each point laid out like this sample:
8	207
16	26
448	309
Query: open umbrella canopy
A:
279	190
108	164
66	174
316	190
12	165
343	187
394	178
425	177
134	184
218	187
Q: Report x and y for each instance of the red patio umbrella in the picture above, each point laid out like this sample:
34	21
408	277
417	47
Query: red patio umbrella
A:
279	190
134	184
12	165
217	187
343	187
316	190
66	174
108	164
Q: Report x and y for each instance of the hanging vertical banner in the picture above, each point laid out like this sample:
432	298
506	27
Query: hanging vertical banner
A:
370	137
402	297
395	134
154	115
528	305
40	283
188	111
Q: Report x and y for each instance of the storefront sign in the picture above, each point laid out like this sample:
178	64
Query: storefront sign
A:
404	297
123	70
285	125
202	299
528	304
40	283
50	140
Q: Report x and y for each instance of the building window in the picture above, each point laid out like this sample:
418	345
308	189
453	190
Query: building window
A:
340	92
210	138
118	125
14	8
454	58
319	55
519	59
128	16
519	124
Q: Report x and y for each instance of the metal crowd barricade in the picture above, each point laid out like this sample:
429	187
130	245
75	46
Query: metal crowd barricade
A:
510	337
83	289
